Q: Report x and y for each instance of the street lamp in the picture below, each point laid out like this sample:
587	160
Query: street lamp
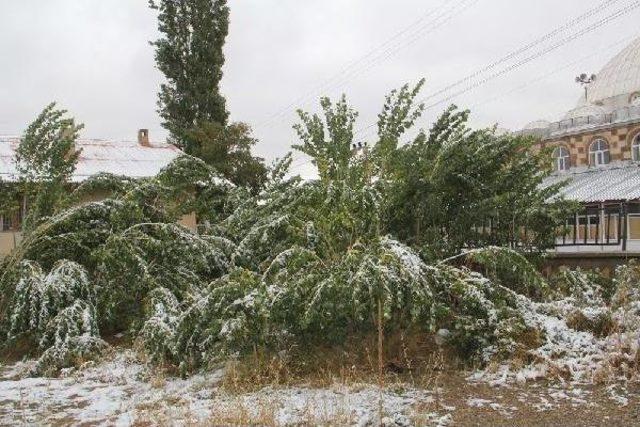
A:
586	80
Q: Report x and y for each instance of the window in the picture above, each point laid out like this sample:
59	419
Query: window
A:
599	153
12	221
635	99
5	223
635	148
561	159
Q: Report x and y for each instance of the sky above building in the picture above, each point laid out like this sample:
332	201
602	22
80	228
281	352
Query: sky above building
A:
94	59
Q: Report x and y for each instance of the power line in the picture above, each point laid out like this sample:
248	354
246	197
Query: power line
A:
530	82
596	10
619	13
448	16
357	61
443	14
545	51
553	72
610	18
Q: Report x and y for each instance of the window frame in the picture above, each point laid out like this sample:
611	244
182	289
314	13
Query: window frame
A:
12	223
635	148
6	224
599	156
561	163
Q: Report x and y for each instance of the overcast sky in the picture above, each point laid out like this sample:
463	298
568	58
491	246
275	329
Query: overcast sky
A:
93	57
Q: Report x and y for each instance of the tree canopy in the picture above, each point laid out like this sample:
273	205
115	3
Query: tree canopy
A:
190	55
46	158
297	263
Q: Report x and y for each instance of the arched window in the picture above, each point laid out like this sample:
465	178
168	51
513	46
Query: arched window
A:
599	153
635	148
561	159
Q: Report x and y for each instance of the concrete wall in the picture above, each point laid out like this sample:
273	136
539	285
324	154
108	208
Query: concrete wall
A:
8	241
604	262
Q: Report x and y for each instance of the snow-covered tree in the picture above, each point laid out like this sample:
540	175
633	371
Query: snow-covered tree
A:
297	263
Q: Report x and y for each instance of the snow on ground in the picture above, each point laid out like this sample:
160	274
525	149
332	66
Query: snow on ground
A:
565	353
119	392
486	403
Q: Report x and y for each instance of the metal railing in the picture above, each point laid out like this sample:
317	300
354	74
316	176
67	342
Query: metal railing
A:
604	224
619	115
596	225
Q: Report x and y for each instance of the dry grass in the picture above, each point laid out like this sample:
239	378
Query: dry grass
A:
238	412
164	413
264	413
411	359
601	326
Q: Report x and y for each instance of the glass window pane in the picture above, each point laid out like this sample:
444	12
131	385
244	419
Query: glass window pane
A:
633	208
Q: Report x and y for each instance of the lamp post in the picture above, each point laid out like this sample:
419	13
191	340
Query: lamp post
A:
586	80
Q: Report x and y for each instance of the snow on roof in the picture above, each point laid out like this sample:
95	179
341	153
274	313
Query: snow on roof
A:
119	158
615	183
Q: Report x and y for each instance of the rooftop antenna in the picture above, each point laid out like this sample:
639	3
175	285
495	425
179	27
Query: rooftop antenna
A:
586	80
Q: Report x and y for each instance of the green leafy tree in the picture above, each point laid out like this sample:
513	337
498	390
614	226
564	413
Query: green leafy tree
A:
347	203
454	187
328	139
398	116
228	150
299	262
190	55
442	191
46	158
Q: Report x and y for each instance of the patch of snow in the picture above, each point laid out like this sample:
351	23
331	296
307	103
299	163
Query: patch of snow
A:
120	392
485	403
614	395
478	403
565	352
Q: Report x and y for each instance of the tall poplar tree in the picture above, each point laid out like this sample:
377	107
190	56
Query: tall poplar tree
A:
190	55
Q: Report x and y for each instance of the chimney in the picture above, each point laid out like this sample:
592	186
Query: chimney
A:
143	137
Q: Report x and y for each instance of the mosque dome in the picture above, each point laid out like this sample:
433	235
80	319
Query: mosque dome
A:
620	78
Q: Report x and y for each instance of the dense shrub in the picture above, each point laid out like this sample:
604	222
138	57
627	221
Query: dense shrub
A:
103	260
295	263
